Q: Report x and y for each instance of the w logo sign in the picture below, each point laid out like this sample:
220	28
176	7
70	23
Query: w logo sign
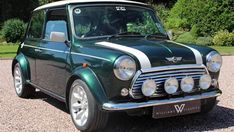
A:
179	108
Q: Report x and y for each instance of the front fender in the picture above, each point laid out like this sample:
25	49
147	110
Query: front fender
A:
21	59
89	77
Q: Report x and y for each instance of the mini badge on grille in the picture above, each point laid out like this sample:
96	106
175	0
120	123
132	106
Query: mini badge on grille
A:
174	59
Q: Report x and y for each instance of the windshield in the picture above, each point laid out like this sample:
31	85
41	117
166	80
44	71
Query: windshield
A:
97	21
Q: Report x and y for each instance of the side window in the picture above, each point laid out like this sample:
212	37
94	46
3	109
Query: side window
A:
56	22
36	25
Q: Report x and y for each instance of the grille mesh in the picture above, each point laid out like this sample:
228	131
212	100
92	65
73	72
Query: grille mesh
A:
159	75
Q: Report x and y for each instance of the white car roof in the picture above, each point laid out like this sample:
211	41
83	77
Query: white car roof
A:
65	2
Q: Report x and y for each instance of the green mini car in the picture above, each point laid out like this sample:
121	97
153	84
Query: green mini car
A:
102	56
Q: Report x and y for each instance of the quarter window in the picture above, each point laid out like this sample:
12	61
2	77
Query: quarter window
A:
36	25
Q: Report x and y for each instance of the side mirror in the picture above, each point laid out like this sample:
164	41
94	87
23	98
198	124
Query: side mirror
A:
170	34
57	36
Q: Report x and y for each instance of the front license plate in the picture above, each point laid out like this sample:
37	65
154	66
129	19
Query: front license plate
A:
176	109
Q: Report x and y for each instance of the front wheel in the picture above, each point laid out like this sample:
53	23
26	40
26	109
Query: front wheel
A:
83	108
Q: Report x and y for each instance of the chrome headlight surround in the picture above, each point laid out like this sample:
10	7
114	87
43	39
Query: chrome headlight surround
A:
213	61
124	68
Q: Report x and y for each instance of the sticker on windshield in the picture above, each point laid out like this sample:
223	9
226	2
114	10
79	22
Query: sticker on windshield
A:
120	8
77	11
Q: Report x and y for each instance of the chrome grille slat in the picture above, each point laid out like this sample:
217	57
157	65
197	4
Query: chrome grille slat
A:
168	72
163	79
139	83
162	73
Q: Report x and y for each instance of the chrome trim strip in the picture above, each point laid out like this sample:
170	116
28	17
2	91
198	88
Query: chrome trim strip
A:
138	73
135	105
66	52
171	67
74	53
172	75
197	54
60	51
143	59
22	45
169	72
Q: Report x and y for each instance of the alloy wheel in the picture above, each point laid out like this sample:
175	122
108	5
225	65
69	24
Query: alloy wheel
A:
79	105
18	80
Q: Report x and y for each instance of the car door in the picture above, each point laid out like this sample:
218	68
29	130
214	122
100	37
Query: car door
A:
32	42
52	61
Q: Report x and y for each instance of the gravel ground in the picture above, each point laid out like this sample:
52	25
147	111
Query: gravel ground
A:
43	113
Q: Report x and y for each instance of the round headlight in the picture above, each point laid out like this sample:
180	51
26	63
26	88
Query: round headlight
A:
213	61
148	88
205	82
171	85
187	84
124	68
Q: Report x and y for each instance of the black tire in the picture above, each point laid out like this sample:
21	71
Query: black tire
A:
208	105
96	119
26	89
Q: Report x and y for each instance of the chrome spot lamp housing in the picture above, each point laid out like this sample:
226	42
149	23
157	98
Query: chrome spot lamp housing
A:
149	87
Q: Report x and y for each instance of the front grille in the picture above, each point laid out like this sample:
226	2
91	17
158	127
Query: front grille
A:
161	74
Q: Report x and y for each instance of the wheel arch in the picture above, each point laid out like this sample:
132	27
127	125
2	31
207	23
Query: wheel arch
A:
89	77
23	62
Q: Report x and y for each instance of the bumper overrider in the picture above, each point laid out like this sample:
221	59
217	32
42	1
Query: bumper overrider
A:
134	105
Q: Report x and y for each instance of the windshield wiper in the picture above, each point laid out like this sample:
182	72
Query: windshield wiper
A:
124	34
156	35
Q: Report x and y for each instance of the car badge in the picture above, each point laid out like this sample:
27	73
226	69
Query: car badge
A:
179	108
174	59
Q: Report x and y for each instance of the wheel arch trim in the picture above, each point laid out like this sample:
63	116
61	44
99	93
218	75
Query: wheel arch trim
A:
23	62
89	77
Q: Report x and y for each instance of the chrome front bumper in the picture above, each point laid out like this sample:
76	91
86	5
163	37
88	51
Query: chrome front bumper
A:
135	105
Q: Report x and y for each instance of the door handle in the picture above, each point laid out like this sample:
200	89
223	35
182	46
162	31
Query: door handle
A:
37	50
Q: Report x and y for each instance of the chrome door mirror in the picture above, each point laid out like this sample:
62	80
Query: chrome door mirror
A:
170	34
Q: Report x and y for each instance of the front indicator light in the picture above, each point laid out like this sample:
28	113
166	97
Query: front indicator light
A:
214	83
124	92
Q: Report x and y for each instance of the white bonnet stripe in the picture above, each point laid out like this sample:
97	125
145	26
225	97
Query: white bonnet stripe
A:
143	59
197	54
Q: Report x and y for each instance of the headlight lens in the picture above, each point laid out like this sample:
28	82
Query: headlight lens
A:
148	88
213	61
205	82
187	84
124	68
171	85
